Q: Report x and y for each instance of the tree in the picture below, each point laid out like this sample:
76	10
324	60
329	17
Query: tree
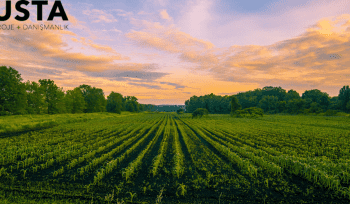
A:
130	106
315	107
317	96
269	103
335	103
274	91
114	102
247	99
348	106
12	92
235	104
281	106
294	106
94	98
35	98
344	97
199	112
292	94
53	96
74	101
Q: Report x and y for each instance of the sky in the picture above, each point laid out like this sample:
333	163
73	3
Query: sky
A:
164	52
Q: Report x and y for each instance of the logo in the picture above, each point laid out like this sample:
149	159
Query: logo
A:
20	4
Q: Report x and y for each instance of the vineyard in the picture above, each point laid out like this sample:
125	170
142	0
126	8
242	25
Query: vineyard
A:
170	158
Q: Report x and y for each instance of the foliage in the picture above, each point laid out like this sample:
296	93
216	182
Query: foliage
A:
199	112
74	101
316	96
12	92
251	112
180	111
211	102
269	104
331	113
53	96
94	98
344	98
114	102
292	94
35	98
235	104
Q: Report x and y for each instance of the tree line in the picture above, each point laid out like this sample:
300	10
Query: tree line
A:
45	97
274	100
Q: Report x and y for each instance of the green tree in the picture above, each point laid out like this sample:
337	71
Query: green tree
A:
294	106
344	97
53	96
292	94
281	106
317	96
130	106
74	101
235	104
12	92
335	103
131	103
35	98
274	91
315	108
114	102
141	107
269	103
348	106
94	98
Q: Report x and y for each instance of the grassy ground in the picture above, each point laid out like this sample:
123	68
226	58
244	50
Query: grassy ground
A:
209	176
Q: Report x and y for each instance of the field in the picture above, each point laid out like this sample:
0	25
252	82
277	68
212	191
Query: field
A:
169	158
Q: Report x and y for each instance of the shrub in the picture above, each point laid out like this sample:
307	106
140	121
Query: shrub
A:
330	113
180	111
199	112
251	112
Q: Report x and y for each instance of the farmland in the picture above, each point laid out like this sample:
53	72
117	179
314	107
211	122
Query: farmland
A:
170	158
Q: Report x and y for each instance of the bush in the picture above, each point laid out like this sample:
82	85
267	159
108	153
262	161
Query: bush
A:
251	112
180	111
199	112
330	113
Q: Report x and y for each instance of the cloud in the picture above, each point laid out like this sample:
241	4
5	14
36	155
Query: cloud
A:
196	18
149	86
317	58
99	16
51	48
164	15
143	13
103	48
177	86
136	76
163	38
123	13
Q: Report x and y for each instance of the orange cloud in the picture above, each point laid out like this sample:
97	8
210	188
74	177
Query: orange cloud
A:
100	16
101	48
164	15
47	47
319	57
167	39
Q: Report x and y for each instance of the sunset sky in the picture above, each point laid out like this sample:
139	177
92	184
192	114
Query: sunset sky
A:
164	52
